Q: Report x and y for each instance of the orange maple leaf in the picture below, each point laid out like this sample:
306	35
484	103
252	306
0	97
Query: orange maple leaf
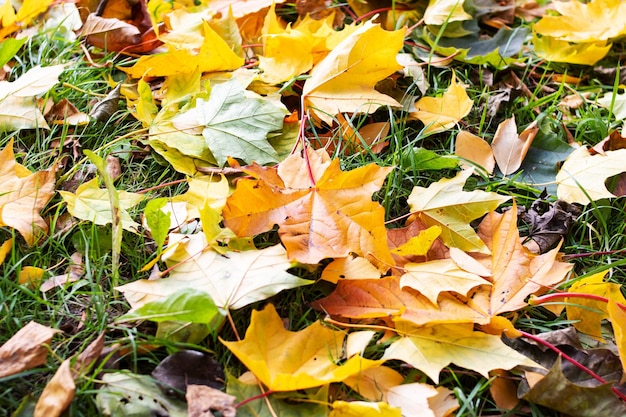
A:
23	195
516	274
321	211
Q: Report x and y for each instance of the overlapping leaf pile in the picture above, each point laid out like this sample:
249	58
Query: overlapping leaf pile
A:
442	290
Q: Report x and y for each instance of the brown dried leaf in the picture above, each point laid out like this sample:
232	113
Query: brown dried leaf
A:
109	34
25	349
58	394
203	400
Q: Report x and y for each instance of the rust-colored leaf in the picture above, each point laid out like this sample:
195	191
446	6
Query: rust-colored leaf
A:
25	350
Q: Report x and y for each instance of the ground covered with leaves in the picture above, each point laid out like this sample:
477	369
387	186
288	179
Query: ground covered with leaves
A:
312	207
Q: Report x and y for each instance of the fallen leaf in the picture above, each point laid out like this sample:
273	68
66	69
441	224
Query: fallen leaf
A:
374	383
289	361
597	20
104	109
582	176
344	80
445	204
322	211
441	113
432	278
58	393
616	103
509	148
18	108
587	314
23	195
27	12
474	149
186	368
557	50
422	400
233	280
125	394
241	8
5	249
517	273
235	123
556	391
441	12
214	55
363	409
185	305
383	298
31	276
110	34
202	401
431	348
92	203
418	245
350	267
25	350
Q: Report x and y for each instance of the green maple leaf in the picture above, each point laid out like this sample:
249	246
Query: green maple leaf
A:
235	123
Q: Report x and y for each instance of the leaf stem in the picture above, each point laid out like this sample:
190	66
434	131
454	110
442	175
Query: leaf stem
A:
255	397
559	295
572	361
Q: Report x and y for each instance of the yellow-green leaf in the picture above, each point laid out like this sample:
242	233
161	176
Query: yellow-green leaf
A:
445	204
92	203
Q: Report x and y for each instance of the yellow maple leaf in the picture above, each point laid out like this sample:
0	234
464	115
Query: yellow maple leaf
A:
364	409
598	20
10	21
214	55
588	313
344	80
291	51
557	50
441	113
92	203
23	195
289	361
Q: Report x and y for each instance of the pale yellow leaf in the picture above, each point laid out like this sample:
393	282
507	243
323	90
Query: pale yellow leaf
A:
433	277
582	176
431	348
374	383
422	400
233	280
441	12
